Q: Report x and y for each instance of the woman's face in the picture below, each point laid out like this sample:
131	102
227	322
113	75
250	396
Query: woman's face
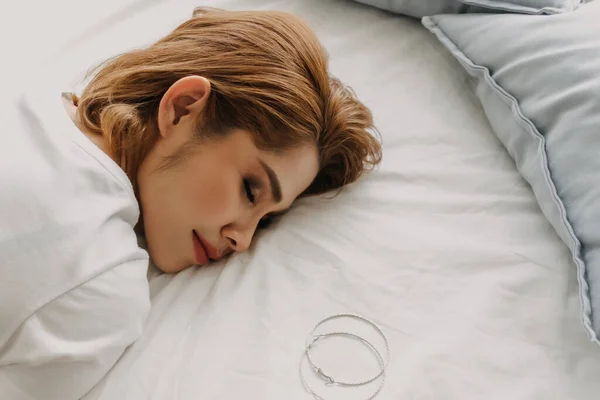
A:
211	202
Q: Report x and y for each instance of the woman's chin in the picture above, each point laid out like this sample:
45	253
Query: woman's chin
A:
170	267
166	261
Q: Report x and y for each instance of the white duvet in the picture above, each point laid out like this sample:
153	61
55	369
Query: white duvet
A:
443	246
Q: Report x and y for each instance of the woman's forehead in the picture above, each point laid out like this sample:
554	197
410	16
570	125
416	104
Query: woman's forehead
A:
295	168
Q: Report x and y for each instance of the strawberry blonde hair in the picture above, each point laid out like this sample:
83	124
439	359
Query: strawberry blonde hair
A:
268	75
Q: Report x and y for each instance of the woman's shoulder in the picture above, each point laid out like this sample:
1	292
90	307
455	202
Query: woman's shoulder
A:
55	185
46	162
66	216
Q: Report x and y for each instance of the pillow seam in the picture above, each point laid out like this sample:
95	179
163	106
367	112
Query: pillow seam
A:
517	8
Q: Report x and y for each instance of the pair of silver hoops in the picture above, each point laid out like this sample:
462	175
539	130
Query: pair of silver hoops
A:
329	380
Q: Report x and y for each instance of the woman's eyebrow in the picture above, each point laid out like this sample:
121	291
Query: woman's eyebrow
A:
273	181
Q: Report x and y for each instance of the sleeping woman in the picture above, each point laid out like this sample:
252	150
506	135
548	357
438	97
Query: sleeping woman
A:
195	143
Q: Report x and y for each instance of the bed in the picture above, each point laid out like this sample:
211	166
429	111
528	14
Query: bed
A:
444	245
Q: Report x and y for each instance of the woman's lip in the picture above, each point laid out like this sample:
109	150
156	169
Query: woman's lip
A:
199	250
210	250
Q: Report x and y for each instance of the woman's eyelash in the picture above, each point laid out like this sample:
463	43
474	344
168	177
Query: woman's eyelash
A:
248	188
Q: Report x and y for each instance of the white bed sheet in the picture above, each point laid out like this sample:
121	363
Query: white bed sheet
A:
443	246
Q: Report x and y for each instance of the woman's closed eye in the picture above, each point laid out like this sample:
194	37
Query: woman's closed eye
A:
249	188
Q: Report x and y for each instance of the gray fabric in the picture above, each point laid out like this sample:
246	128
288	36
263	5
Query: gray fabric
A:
421	8
539	83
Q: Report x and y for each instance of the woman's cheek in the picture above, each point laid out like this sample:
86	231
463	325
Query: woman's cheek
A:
221	197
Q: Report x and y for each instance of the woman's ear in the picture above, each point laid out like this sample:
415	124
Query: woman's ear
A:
184	100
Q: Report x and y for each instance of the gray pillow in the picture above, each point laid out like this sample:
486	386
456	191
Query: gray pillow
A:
421	8
538	78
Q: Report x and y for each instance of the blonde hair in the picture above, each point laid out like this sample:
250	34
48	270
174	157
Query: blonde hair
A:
268	75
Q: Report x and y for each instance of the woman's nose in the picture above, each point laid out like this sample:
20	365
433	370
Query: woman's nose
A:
239	239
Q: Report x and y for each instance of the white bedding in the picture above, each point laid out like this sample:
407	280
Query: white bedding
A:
444	246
